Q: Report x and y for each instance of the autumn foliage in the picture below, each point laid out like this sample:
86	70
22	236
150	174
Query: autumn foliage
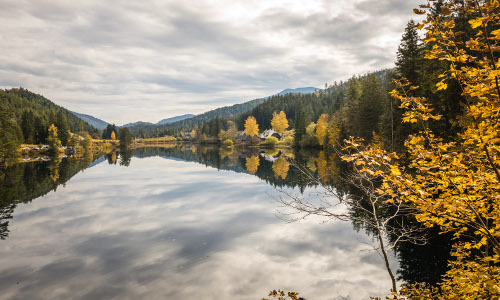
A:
279	122
252	164
455	185
251	126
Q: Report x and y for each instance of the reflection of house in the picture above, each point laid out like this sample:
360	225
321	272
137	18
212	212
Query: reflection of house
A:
269	157
269	133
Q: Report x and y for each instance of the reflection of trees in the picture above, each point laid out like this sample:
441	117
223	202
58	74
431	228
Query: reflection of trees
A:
125	157
281	167
24	182
27	181
272	151
252	164
54	168
231	155
5	215
322	166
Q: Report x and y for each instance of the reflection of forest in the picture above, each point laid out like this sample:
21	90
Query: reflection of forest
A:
24	182
281	169
27	181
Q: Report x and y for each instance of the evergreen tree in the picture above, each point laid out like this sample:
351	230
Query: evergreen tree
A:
62	127
28	126
409	54
9	140
371	104
40	131
300	123
125	137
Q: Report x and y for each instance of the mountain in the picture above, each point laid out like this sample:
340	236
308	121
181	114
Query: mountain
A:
34	114
304	90
97	123
138	123
226	112
175	119
325	101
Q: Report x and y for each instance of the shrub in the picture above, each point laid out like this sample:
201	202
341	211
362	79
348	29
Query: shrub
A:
270	141
228	143
288	141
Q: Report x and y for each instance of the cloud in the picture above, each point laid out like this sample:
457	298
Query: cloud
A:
160	229
148	60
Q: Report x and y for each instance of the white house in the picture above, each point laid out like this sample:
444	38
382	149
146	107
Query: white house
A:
269	133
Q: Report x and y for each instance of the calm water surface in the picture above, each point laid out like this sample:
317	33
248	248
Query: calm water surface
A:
168	227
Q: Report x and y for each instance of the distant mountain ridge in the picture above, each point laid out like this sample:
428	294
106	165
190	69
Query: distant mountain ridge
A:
189	120
175	119
221	112
304	90
95	122
138	123
162	122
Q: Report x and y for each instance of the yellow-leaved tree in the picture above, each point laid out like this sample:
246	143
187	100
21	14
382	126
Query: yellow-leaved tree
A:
279	122
53	139
322	129
455	185
252	164
113	135
251	126
281	167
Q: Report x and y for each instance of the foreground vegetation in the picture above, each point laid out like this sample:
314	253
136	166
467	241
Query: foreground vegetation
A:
445	173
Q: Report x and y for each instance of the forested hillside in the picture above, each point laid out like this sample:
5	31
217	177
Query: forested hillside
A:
32	115
93	121
187	124
213	117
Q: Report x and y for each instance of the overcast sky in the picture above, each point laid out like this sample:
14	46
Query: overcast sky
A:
124	61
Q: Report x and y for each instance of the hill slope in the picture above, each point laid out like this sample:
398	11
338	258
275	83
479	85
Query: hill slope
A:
305	90
95	122
34	114
175	119
226	112
138	123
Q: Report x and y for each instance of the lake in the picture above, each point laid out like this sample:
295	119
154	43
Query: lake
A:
183	222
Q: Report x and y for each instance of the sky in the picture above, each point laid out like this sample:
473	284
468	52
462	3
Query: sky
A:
124	61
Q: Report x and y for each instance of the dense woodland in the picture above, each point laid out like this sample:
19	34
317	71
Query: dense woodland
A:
26	117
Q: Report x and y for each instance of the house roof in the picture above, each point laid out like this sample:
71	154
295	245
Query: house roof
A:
268	133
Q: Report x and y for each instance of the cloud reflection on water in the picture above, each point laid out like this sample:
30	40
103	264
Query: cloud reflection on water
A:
167	229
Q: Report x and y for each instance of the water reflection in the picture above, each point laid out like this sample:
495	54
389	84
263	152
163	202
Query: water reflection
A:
165	227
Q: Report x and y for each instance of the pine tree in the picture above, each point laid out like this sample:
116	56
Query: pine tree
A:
28	126
125	137
300	124
62	127
371	103
9	141
409	53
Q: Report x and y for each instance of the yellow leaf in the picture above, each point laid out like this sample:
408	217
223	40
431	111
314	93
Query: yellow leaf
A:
395	171
476	23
